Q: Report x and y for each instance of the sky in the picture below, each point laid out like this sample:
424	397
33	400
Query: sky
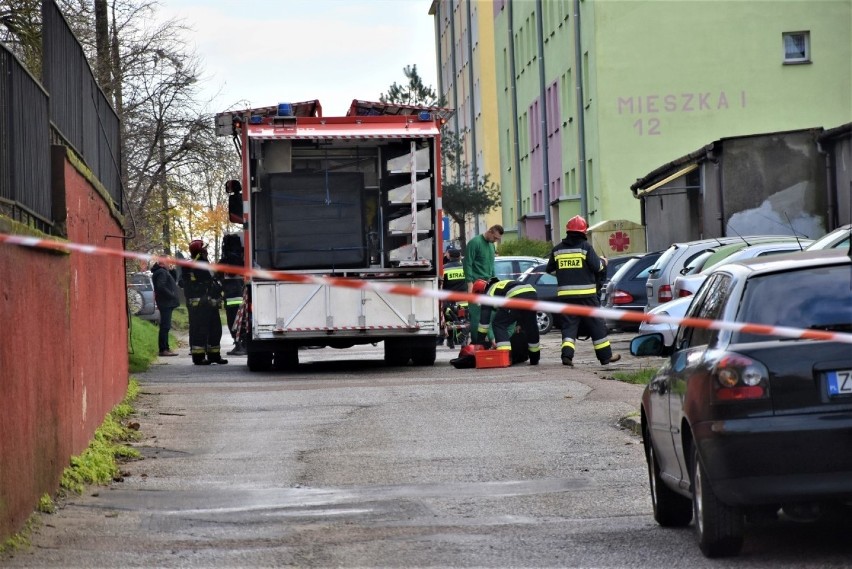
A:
258	53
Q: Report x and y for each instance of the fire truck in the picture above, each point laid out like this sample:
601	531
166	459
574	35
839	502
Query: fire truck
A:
353	197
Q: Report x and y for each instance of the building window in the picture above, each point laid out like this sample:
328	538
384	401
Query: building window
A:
797	47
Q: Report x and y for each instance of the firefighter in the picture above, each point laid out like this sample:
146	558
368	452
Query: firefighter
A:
203	301
505	318
453	311
232	286
578	269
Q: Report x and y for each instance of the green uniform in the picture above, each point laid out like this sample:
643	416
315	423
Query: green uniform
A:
478	264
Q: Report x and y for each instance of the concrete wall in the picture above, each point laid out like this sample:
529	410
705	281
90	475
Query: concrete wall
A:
63	354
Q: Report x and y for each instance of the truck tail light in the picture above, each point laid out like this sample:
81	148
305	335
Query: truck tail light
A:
739	377
621	297
665	293
681	293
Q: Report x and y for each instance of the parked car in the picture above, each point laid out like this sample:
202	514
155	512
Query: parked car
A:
512	266
686	285
626	289
545	287
612	266
676	309
738	423
839	238
658	288
140	296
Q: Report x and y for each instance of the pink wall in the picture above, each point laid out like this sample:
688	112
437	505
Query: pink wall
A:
63	351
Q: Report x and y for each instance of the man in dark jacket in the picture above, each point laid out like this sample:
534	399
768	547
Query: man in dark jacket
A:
203	301
167	299
577	269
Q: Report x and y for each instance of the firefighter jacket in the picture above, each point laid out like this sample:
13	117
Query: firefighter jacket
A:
507	289
577	267
232	285
201	288
454	277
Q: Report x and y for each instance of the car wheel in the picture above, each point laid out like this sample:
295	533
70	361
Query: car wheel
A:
670	508
719	527
544	321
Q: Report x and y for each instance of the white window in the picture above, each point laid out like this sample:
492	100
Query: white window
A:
797	48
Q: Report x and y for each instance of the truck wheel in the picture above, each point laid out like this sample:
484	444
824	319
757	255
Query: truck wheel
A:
259	361
424	354
397	353
287	359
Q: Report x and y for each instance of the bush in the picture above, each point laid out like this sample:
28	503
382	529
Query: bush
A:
526	247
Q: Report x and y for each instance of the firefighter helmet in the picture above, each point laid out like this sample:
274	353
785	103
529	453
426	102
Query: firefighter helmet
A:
479	286
578	224
196	246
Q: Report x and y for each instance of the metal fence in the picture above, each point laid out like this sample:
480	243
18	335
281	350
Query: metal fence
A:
25	192
76	107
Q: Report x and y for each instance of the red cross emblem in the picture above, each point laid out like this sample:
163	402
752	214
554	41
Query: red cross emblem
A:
619	241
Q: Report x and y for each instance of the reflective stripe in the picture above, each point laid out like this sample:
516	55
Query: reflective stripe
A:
520	290
573	260
482	329
534	347
236	301
577	292
454	274
504	345
568	344
602	344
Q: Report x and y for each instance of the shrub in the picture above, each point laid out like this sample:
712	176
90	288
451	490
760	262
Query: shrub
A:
527	247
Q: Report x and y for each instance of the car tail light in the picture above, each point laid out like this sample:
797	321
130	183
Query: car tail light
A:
665	293
681	293
621	297
740	377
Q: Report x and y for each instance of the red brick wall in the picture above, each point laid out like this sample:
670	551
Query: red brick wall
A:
63	351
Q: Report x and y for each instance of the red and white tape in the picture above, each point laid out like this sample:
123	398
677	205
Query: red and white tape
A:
519	304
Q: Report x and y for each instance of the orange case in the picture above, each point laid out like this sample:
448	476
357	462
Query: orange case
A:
493	358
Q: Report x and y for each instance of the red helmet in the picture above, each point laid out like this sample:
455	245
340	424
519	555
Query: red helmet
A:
196	246
578	224
479	286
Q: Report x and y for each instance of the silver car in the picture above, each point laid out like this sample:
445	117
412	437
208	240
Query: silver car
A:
140	296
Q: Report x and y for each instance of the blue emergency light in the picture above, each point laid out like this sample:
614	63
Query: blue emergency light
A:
256	119
285	110
424	116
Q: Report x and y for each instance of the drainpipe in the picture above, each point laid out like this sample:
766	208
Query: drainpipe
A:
581	122
543	99
516	159
716	158
455	87
830	190
472	91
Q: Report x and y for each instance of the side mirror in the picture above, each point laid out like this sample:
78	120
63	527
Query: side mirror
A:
653	272
235	201
647	345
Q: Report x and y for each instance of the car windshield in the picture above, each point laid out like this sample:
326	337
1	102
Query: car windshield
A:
817	298
624	270
662	261
827	241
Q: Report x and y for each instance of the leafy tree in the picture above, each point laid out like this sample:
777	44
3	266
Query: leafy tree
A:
469	193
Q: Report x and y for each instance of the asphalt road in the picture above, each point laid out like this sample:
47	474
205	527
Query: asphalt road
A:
349	463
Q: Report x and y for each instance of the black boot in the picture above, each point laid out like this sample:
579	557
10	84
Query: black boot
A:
198	359
216	359
534	358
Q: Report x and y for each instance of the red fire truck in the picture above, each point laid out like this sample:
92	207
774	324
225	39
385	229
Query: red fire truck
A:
357	196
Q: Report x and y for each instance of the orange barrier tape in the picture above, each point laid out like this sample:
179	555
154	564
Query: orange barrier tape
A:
519	304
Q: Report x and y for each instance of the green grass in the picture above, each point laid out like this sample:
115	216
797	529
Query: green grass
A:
144	345
98	464
641	377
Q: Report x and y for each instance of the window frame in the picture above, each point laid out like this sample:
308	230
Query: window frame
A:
806	57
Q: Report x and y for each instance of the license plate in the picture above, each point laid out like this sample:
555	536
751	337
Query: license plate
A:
840	382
